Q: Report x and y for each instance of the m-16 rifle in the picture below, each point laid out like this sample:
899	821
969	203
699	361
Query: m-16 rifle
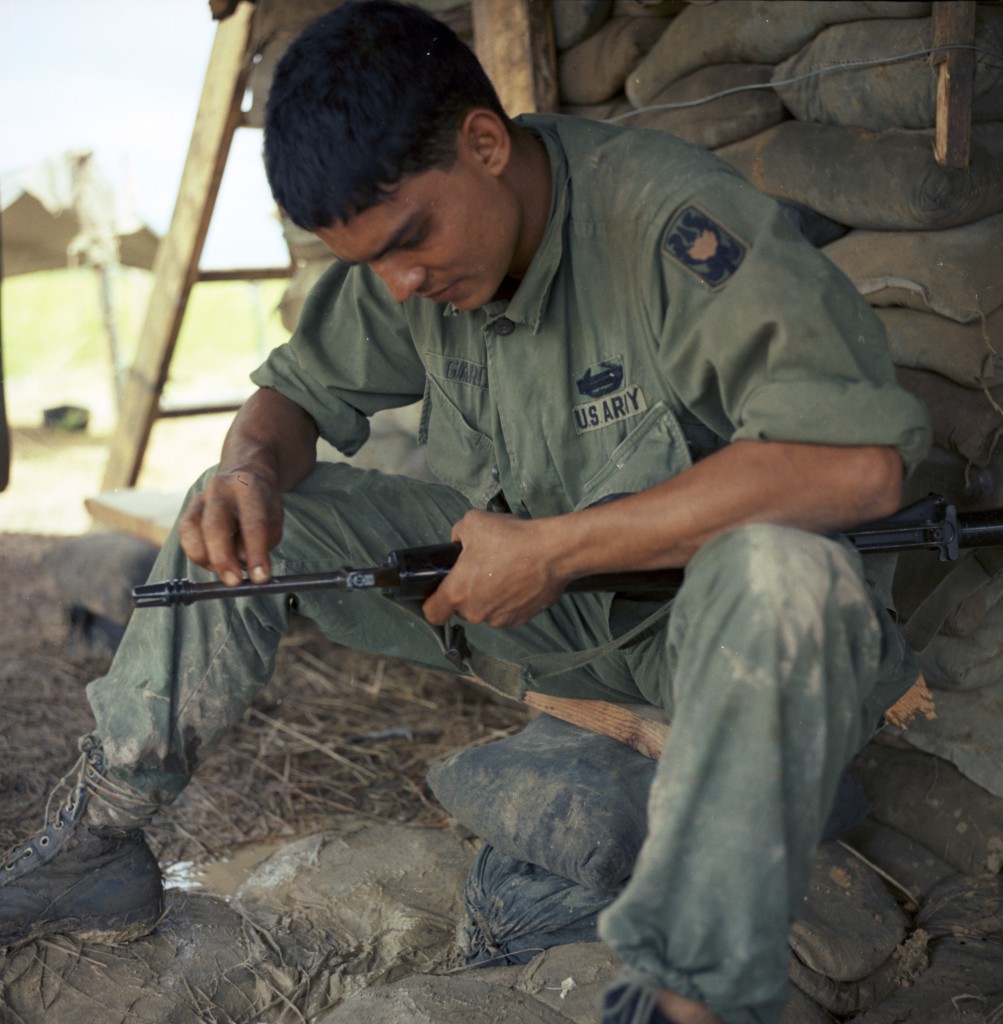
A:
412	574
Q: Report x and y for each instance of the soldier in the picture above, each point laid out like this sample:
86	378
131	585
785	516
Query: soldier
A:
587	312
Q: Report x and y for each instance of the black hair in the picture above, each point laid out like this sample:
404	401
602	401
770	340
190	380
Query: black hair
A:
371	92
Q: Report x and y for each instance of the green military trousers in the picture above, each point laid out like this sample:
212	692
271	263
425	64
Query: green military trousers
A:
774	665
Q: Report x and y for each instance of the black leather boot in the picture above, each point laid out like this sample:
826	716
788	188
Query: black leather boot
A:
92	881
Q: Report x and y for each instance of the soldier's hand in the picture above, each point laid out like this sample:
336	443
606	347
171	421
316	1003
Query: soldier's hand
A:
234	522
502	576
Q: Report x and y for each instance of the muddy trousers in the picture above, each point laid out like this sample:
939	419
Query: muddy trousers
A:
774	665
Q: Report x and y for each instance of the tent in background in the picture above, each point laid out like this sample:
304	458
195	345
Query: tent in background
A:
62	212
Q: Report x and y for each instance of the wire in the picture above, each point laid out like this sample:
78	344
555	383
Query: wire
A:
844	66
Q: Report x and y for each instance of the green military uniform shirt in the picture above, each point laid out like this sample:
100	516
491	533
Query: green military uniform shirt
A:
670	308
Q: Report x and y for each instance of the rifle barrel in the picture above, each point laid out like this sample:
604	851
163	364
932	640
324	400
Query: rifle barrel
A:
980	529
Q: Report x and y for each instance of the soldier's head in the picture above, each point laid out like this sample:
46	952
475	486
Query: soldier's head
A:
370	93
384	136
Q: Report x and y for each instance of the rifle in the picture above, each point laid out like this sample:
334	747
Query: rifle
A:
412	574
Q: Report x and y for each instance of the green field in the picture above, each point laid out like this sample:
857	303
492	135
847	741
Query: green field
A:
56	348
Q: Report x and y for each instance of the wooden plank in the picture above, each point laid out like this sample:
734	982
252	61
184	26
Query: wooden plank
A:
176	267
953	24
646	728
641	726
515	43
148	515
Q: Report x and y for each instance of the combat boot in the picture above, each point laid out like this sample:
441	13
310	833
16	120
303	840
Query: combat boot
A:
79	877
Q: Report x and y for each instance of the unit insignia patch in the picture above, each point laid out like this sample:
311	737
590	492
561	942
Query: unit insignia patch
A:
703	247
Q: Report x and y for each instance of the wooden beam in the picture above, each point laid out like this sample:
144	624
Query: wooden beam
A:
176	267
953	25
246	274
646	728
148	515
514	41
641	726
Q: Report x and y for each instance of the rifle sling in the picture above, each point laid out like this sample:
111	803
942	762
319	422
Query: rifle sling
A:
514	678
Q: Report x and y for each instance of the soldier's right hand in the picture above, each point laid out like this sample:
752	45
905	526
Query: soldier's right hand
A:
234	522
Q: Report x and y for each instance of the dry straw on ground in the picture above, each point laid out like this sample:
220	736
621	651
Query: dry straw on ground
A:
335	732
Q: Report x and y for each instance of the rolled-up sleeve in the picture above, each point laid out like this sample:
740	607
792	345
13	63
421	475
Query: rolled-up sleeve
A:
773	342
350	356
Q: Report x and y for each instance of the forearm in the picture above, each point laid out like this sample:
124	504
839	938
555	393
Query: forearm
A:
813	487
271	437
512	568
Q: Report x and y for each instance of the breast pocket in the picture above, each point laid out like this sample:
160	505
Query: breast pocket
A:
653	451
458	454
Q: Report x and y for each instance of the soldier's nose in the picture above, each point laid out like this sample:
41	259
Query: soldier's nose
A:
403	282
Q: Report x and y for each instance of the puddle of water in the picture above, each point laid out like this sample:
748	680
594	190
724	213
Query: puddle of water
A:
221	877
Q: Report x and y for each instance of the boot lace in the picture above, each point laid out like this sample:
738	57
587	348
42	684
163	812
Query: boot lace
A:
69	798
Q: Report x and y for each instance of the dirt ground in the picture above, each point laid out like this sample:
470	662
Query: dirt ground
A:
336	732
325	776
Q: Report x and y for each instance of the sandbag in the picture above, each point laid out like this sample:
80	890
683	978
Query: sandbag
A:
800	1009
571	801
95	575
817	229
745	31
967	354
846	999
966	731
965	420
647	8
928	799
720	121
608	111
577	21
915	869
947	473
893	94
382	899
972	661
595	69
514	909
850	923
885	181
954	272
553	795
916	574
964	981
203	963
442	999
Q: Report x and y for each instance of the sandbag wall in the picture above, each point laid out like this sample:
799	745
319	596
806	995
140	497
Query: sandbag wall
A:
851	149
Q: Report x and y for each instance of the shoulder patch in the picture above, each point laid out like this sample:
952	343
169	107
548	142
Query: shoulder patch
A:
703	247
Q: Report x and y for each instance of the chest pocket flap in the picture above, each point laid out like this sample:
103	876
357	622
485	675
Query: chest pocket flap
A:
653	451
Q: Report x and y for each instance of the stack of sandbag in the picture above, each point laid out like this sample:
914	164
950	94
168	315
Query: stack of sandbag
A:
903	912
925	248
603	45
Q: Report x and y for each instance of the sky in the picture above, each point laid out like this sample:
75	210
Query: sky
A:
123	78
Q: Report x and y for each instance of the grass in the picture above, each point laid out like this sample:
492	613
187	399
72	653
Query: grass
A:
56	349
56	352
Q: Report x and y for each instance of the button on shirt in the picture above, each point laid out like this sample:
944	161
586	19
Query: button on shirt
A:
667	295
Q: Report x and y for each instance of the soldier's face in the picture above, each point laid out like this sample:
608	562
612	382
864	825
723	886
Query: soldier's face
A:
449	235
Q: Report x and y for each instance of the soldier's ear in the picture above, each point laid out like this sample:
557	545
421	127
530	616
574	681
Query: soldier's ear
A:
485	138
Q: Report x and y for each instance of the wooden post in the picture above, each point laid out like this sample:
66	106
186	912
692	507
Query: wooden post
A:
514	41
176	267
954	23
